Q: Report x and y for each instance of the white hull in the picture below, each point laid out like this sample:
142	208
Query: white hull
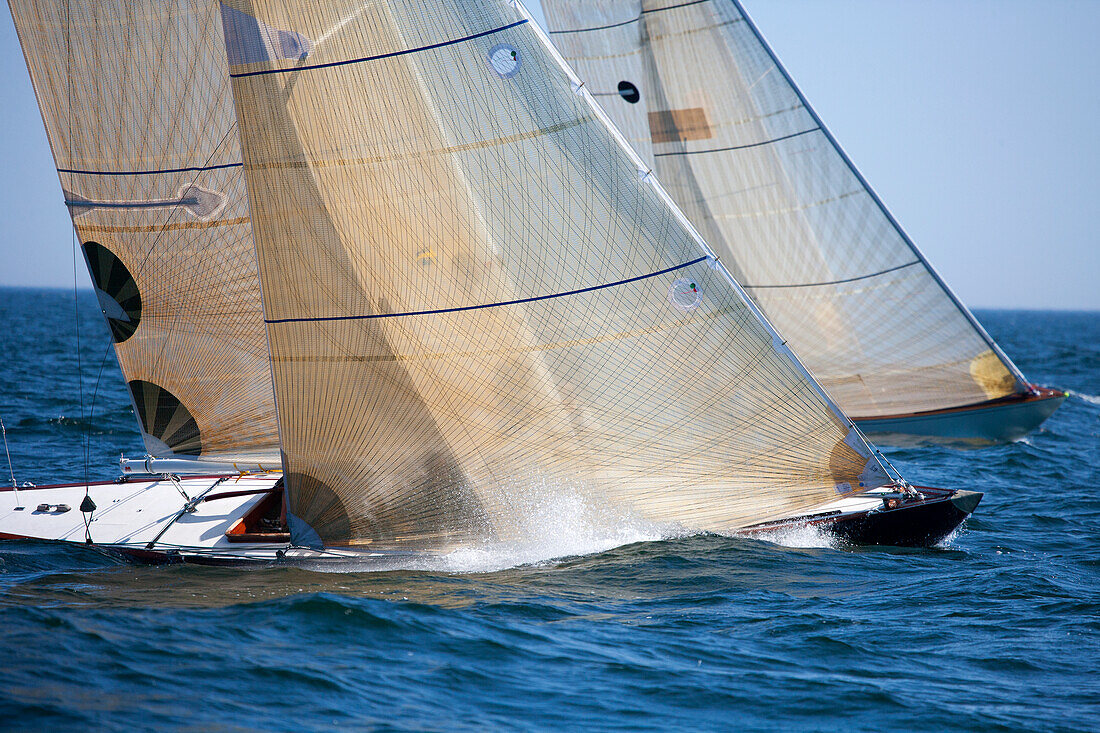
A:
144	518
143	515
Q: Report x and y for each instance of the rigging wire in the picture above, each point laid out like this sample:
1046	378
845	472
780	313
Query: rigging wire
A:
11	471
87	506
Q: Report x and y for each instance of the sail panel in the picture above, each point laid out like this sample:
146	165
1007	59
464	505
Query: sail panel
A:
476	301
754	170
138	111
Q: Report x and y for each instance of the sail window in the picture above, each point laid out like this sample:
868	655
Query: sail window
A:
684	294
629	92
115	289
164	418
504	60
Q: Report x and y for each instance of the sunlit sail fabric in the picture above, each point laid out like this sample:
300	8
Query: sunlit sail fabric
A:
136	101
477	301
698	93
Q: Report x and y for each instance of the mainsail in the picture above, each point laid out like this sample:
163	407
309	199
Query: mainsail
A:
478	297
136	101
702	98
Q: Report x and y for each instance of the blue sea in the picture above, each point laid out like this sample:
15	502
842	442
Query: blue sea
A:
999	630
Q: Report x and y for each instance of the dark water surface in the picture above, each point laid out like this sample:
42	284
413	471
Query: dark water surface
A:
1000	630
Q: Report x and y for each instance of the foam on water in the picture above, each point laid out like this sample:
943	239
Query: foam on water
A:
555	523
800	536
562	524
1091	399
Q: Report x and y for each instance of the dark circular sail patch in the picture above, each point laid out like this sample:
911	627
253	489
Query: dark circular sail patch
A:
629	92
318	505
165	418
118	294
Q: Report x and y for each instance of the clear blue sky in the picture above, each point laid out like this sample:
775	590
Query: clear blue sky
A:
976	122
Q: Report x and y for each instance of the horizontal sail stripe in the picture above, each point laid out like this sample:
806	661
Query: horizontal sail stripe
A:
838	282
491	305
441	44
739	147
163	227
150	172
628	22
165	204
552	346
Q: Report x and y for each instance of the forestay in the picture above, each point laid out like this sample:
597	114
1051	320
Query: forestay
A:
136	101
478	301
698	93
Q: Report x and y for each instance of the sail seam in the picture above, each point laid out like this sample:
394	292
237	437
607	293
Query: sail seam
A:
628	22
429	47
490	305
837	282
464	147
151	172
739	147
171	227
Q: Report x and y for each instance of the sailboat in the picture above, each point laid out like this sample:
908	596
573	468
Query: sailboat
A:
385	281
706	103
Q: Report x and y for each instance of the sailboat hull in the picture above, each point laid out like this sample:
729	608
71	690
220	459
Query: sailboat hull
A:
892	519
143	519
985	423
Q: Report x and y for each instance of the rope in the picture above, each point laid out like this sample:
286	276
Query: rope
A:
11	471
87	506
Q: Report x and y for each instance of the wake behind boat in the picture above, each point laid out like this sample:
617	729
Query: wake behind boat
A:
476	298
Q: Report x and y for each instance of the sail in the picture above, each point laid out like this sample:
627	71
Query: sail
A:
476	300
699	94
136	102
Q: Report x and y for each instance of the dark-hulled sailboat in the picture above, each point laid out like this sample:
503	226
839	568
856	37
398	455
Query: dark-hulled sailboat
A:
476	298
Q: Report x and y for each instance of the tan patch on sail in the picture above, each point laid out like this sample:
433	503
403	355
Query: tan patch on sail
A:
845	465
674	125
989	373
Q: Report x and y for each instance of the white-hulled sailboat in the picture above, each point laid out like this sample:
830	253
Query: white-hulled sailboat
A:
703	99
476	298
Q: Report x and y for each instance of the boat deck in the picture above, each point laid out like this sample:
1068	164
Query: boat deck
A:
136	512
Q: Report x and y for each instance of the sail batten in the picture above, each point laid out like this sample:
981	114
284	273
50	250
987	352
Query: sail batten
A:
701	96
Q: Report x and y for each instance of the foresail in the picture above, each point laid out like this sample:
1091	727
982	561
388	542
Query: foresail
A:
695	88
477	301
136	101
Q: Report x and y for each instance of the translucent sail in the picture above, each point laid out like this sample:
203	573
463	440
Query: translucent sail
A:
476	300
699	94
136	101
